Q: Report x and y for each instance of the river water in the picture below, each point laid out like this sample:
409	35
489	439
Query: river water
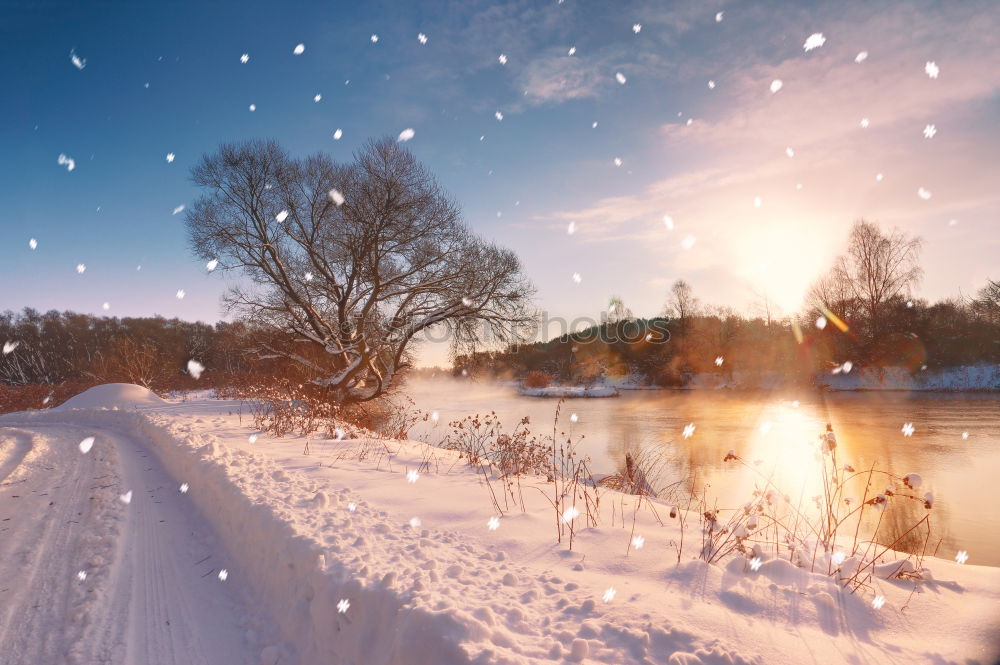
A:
955	445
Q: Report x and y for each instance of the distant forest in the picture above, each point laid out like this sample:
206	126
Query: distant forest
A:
862	312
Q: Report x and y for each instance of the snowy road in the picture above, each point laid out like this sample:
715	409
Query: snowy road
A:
151	591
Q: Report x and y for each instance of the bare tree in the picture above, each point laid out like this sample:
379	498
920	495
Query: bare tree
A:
350	261
987	304
877	268
682	303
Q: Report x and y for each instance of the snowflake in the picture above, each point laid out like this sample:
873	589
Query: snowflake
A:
688	242
577	278
435	416
406	134
498	115
636	28
618	161
668	222
32	243
317	97
571	229
211	265
178	209
181	294
81	268
414	522
689	430
821	322
68	161
932	69
879	177
837	558
718	361
776	85
8	347
412	476
570	514
253	107
865	122
965	435
337	134
878	602
352	507
962	556
170	157
815	40
847	366
82	575
343	605
620	78
594	125
638	542
106	306
77	61
861	57
930	131
757	202
573	417
718	17
908	429
183	488
245	58
493	523
924	193
126	498
711	85
572	51
281	216
299	49
223	575
422	38
609	594
374	39
336	197
195	368
755	563
502	59
86	445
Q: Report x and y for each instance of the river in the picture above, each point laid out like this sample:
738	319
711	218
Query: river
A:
955	444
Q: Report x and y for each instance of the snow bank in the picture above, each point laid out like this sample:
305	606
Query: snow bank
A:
569	391
111	396
965	378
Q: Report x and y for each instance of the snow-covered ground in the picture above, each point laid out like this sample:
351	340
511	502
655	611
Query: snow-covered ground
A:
952	379
344	555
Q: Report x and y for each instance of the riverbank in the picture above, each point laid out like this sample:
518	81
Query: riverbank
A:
393	552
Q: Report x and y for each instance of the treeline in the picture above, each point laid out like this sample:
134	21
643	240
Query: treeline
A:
64	347
861	311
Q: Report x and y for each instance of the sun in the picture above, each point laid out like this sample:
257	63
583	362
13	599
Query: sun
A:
781	261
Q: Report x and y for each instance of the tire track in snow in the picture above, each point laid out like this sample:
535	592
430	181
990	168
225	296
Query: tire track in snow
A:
145	598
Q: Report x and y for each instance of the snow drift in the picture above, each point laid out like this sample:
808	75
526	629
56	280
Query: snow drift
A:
112	396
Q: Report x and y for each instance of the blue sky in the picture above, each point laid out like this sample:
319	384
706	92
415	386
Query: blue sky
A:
541	167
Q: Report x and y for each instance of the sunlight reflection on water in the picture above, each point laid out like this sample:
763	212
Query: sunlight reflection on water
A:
780	431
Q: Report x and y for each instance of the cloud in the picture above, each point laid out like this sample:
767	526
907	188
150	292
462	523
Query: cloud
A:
707	175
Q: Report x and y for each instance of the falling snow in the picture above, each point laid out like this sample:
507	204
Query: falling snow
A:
620	78
69	162
814	41
931	69
406	134
776	85
77	61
